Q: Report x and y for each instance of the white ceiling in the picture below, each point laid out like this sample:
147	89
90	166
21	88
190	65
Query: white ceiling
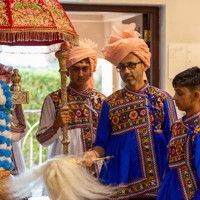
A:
99	16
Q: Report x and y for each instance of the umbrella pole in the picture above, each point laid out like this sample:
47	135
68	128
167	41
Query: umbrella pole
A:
62	57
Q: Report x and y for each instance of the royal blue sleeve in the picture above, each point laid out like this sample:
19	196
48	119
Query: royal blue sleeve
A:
197	156
104	127
170	116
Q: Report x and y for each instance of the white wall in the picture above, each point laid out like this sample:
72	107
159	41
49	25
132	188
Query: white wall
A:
182	26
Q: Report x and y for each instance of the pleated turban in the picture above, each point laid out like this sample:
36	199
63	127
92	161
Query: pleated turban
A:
86	49
124	40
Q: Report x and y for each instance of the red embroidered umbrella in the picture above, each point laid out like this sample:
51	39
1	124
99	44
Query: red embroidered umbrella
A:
34	22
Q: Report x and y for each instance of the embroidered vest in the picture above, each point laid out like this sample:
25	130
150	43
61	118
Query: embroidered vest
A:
131	111
180	156
139	112
84	107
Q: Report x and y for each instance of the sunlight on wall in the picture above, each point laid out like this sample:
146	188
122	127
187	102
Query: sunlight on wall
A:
29	56
26	60
107	78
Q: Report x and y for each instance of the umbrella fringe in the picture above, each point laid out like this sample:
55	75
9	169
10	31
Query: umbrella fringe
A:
37	36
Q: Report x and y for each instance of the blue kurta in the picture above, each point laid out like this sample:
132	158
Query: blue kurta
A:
182	181
134	127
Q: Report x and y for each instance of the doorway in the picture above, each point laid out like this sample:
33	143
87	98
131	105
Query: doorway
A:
150	28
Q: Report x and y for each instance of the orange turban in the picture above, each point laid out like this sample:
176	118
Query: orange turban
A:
86	49
124	40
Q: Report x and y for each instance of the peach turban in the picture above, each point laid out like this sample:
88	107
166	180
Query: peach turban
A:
124	40
86	49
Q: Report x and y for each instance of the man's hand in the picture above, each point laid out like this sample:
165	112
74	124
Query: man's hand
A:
62	119
88	158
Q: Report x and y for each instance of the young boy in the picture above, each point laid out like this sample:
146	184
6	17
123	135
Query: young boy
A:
182	181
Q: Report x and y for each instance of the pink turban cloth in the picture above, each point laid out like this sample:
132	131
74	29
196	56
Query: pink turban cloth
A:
86	49
124	40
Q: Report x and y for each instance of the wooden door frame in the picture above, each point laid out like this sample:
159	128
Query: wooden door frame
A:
154	23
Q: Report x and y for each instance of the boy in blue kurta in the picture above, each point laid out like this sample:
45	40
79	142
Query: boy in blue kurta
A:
182	181
135	122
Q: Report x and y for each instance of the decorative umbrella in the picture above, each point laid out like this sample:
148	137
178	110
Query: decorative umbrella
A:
34	22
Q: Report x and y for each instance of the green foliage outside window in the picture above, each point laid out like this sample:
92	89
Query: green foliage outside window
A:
38	83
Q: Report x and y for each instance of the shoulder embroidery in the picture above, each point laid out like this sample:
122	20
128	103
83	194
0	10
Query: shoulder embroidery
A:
56	98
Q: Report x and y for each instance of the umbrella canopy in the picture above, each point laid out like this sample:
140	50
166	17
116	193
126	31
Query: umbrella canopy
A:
34	23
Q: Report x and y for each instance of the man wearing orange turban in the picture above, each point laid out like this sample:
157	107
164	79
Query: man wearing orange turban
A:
134	124
84	105
86	49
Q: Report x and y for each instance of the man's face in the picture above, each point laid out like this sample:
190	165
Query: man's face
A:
79	74
132	76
